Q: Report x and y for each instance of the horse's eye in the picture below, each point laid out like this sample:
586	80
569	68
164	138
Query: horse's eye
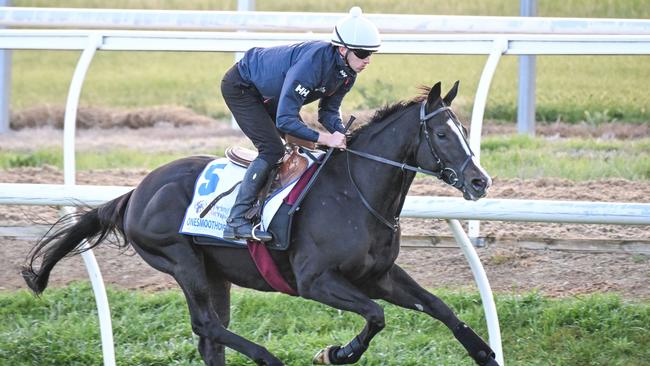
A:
441	135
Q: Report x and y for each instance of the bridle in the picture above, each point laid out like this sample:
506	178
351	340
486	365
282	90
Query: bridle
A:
446	174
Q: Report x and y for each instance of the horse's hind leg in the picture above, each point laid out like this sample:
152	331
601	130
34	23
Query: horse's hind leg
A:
398	288
205	304
215	353
152	221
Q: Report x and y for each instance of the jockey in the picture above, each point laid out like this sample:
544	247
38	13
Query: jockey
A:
266	89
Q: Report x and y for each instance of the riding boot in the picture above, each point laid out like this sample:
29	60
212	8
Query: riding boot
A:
239	227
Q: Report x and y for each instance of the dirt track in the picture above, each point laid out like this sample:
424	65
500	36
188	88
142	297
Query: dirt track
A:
508	268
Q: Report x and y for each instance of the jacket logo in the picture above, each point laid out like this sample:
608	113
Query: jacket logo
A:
302	91
343	73
321	89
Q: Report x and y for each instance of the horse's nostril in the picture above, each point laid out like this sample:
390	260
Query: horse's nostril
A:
479	183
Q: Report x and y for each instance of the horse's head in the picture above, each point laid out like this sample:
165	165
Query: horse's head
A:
443	146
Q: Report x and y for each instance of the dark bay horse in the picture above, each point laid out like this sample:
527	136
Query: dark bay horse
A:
345	237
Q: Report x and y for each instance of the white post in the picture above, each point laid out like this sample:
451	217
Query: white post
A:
480	100
242	5
5	84
526	99
489	307
95	40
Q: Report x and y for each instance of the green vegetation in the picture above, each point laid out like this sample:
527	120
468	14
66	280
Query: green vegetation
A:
585	88
567	88
60	328
595	89
503	156
88	160
575	159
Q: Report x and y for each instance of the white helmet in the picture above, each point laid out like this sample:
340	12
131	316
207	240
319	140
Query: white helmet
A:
356	32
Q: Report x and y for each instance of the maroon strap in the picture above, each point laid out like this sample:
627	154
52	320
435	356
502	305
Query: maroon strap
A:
291	198
267	267
260	253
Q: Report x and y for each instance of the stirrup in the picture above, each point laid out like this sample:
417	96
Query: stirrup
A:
265	239
236	233
259	224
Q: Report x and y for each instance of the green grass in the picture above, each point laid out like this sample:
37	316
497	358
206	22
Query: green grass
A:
577	88
153	329
513	156
88	160
575	159
568	88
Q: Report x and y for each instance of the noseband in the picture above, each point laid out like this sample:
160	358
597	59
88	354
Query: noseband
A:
446	174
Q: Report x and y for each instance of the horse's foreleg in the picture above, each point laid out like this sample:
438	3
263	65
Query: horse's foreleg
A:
398	288
332	289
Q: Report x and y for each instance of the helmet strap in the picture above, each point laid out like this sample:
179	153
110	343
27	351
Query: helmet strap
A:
345	57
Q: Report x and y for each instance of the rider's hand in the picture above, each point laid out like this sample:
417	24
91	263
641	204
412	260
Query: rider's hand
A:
335	139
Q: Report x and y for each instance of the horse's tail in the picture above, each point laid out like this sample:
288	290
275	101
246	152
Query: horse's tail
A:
65	238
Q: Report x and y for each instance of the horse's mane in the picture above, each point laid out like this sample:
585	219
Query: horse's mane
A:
389	109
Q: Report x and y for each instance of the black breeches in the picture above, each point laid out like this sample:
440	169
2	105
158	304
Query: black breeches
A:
246	104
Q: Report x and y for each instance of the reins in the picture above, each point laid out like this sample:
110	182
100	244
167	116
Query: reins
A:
448	175
393	226
402	166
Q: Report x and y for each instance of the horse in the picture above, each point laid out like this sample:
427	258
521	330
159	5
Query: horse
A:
344	239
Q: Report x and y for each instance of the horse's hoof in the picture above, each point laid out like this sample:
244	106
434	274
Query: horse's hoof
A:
491	362
322	357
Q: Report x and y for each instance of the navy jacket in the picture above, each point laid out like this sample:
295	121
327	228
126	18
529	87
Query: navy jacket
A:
288	77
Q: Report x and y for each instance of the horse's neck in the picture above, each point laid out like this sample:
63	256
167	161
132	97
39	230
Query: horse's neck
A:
394	139
385	186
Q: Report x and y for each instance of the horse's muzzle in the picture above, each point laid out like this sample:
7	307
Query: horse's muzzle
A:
476	188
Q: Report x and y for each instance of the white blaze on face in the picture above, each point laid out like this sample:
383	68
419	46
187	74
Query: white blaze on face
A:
456	129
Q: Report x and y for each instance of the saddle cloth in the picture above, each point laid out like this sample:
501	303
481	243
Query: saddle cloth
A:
217	177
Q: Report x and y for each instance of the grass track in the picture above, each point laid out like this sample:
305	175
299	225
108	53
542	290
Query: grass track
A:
153	329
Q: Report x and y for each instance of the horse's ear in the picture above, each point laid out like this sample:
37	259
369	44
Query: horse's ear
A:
452	93
434	94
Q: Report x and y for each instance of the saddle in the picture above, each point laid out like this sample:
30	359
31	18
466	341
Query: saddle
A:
291	166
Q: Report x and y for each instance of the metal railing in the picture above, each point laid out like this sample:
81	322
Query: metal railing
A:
273	21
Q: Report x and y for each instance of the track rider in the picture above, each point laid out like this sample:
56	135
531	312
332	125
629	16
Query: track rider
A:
266	89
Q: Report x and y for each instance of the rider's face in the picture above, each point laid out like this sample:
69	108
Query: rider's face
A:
357	64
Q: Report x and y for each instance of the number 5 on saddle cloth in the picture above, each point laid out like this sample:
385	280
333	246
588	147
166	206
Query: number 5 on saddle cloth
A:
217	187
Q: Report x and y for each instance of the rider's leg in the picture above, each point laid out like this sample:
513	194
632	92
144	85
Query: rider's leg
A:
246	104
238	225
